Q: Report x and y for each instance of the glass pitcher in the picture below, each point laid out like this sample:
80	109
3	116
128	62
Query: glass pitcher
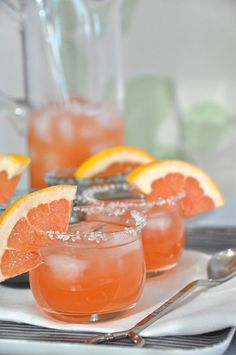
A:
73	81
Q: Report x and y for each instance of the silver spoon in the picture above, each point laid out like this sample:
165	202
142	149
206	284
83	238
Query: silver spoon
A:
221	268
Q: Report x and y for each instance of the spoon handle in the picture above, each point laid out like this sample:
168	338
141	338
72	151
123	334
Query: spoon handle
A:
170	304
152	317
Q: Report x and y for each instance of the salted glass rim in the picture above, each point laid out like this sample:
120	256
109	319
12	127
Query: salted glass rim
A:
88	196
92	108
98	236
55	176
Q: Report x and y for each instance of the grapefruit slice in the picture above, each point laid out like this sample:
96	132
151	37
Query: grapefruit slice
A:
11	168
162	179
112	161
44	210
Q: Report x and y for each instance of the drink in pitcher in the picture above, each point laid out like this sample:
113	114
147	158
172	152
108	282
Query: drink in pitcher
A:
73	82
60	136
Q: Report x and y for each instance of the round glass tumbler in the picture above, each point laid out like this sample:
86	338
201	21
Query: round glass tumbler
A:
66	176
93	271
163	236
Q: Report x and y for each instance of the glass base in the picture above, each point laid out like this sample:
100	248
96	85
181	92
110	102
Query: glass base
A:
160	271
86	318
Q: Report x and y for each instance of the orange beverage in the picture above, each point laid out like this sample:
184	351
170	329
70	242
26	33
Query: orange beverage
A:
87	273
60	136
163	240
11	169
163	236
7	186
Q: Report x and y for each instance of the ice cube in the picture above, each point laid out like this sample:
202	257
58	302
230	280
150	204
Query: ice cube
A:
96	224
65	267
159	222
85	227
66	128
42	125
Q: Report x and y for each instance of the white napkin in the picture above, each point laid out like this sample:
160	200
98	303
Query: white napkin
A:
208	310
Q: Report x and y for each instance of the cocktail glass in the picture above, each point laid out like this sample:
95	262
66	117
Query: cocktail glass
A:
95	270
66	176
7	186
163	236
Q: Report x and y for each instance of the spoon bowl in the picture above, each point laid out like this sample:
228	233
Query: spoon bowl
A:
222	264
220	268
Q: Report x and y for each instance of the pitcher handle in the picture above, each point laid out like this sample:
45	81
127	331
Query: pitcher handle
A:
16	110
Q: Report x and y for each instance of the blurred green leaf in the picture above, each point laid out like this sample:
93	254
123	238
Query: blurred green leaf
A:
205	125
147	103
165	152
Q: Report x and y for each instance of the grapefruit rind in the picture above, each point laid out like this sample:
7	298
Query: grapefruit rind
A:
101	161
13	164
23	205
143	177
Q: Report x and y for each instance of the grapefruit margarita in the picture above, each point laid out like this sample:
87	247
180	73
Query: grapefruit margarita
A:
88	274
11	169
163	236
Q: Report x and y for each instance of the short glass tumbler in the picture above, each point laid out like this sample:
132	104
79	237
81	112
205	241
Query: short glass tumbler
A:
163	236
66	176
93	271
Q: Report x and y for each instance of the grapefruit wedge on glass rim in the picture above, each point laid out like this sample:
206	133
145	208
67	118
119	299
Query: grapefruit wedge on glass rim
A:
48	209
112	161
166	178
11	169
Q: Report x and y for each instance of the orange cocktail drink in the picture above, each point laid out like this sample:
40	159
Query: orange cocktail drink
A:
11	169
87	273
163	236
7	186
163	239
110	165
64	136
